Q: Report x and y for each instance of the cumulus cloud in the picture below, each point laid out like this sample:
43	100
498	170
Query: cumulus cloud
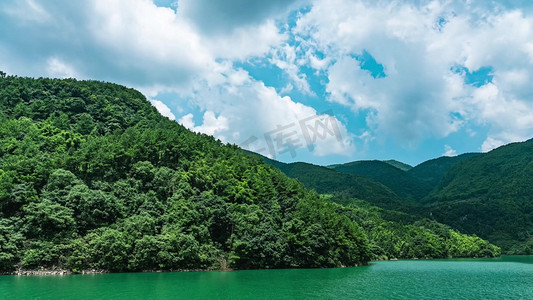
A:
243	42
27	11
58	68
196	49
449	151
211	124
286	59
419	45
163	109
222	17
149	43
256	117
131	42
491	143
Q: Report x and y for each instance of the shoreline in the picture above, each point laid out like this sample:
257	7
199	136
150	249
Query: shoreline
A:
61	272
50	272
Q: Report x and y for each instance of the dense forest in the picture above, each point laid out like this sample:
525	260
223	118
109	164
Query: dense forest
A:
324	181
486	194
407	187
398	164
490	195
93	177
432	171
394	227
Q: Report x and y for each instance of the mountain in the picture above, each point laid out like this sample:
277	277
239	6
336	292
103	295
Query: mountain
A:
490	195
398	164
431	172
392	232
325	180
400	182
93	177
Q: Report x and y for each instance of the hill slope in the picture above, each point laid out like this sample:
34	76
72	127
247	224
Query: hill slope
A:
93	177
484	194
325	180
398	164
392	233
432	171
490	195
400	182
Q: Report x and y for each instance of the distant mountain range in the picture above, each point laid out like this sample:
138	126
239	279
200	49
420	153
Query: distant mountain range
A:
487	194
401	182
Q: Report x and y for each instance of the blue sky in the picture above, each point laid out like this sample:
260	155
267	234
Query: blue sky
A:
322	81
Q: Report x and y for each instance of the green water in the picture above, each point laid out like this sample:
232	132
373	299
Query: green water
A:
509	277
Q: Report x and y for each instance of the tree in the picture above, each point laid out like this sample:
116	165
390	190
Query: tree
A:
46	219
10	245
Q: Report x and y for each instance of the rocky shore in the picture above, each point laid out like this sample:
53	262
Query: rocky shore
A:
50	272
59	272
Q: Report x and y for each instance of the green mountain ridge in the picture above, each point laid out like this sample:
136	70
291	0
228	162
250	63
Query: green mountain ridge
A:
324	180
490	195
393	230
486	194
432	171
398	164
93	177
400	182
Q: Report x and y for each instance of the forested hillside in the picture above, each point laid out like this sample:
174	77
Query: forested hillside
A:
325	180
431	172
92	177
404	185
487	194
392	232
490	195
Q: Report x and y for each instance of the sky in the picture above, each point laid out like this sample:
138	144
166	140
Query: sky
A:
320	81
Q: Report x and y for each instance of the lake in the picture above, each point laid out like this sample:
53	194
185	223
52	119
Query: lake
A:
508	277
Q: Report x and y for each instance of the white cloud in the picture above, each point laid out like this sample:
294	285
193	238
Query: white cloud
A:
286	58
340	142
248	110
317	63
151	40
193	51
510	118
286	89
418	45
449	151
187	121
163	109
222	17
402	105
28	11
212	125
491	143
256	40
58	68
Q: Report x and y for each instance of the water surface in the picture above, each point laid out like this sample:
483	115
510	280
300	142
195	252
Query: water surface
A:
509	277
